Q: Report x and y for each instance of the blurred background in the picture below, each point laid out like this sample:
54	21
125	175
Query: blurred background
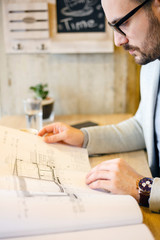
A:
80	82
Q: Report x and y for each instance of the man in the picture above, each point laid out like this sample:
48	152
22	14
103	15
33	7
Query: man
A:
137	29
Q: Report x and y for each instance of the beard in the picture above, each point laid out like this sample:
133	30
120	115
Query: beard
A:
150	50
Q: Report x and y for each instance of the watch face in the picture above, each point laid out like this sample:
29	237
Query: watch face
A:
145	184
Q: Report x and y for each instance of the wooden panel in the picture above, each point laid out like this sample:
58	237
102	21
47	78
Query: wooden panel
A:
23	26
133	85
90	37
81	47
27	21
29	35
27	6
20	16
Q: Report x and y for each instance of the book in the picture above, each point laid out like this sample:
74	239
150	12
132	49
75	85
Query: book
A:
43	194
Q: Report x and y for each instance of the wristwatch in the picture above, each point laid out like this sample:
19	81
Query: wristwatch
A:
144	186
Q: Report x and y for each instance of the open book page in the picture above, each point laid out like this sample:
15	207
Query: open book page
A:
23	216
27	155
28	187
47	193
132	232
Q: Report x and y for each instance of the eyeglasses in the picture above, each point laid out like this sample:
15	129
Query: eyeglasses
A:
116	26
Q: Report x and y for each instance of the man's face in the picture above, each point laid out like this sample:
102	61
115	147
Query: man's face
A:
142	32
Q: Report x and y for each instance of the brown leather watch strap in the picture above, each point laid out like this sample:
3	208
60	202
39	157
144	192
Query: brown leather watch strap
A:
144	200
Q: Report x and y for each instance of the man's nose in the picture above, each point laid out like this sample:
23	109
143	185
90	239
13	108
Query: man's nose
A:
120	39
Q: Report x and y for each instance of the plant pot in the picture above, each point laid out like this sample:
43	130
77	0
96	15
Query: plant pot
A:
47	107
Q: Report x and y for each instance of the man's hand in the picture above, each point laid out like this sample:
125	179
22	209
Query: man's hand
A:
115	176
60	132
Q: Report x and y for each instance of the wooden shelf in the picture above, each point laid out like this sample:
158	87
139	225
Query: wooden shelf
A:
25	34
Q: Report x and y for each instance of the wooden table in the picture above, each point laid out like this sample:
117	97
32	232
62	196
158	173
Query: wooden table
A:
136	159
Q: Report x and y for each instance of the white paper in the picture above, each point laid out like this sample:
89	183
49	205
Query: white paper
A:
133	232
21	216
26	155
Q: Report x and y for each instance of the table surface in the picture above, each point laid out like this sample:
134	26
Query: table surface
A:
136	159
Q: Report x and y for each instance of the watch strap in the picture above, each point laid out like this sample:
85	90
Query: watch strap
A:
144	199
144	185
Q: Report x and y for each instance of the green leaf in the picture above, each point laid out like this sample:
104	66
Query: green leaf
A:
40	91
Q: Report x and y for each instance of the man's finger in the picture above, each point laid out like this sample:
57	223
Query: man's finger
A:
99	175
108	165
101	184
54	138
48	129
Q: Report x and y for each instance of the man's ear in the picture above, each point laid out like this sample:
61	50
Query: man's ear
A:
156	3
156	8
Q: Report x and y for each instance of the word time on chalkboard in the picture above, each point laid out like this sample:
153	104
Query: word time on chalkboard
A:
75	16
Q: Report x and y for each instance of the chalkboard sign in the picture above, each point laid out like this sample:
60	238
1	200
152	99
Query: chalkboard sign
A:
75	16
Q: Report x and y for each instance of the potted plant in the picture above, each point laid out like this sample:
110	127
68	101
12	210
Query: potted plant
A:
47	102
